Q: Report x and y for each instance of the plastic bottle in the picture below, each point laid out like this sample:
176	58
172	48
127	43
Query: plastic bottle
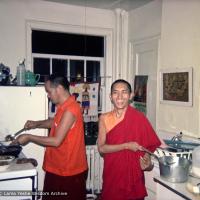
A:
21	73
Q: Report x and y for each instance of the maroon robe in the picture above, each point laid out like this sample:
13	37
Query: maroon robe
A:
123	178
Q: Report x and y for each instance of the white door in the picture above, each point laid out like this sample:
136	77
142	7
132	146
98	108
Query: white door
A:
145	61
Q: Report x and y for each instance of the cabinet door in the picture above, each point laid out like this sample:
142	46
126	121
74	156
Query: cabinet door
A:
17	189
19	104
149	182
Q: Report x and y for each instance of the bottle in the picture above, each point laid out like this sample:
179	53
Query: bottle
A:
21	73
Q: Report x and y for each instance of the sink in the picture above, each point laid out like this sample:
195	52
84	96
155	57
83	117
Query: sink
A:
172	149
181	145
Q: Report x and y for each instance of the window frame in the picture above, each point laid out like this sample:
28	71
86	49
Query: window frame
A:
68	58
107	33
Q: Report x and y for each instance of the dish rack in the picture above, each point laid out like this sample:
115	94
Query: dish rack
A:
162	152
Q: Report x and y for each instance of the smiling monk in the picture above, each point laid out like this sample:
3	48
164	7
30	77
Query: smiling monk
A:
122	134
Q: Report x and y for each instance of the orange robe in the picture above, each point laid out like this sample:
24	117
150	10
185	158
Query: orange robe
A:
123	178
70	157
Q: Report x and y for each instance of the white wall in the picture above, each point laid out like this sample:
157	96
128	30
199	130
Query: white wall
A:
144	36
144	26
14	15
145	21
178	25
18	16
180	47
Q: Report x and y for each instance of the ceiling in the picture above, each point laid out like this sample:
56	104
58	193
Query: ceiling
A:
106	4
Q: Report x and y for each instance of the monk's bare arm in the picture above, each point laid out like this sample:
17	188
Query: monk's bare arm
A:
107	148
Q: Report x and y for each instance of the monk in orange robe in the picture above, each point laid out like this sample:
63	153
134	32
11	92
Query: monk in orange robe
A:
122	134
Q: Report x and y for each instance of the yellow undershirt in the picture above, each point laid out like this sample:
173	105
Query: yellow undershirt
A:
110	120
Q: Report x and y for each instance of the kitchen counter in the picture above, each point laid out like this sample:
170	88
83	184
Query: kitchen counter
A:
15	170
166	190
18	181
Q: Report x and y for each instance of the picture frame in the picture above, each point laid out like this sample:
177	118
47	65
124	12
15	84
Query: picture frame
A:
176	86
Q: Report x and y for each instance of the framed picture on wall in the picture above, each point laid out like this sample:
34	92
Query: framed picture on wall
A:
176	86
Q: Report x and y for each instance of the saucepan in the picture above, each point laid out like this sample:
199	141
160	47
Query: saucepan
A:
173	169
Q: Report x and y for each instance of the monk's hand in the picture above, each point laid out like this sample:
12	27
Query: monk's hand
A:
21	140
145	162
30	124
133	146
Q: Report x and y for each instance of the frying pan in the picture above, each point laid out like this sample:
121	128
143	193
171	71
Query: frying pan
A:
10	150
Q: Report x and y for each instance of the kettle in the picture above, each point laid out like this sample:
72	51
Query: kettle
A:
31	79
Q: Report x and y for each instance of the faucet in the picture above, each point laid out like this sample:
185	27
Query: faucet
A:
177	137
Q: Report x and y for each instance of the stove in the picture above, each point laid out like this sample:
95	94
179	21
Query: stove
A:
18	181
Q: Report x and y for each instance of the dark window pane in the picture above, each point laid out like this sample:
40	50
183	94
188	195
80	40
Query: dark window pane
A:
93	71
76	70
67	44
41	66
59	67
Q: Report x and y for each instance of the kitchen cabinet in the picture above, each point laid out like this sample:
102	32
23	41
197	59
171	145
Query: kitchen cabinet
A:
19	104
149	182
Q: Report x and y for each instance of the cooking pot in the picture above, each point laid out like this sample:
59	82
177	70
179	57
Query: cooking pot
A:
173	169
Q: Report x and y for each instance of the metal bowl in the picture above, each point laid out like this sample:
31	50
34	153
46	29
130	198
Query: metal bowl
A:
5	161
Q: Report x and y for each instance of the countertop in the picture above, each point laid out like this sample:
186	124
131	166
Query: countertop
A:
177	188
15	170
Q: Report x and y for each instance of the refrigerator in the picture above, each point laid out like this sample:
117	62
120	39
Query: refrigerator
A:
17	105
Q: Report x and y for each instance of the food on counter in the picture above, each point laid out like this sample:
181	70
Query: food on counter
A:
27	160
193	188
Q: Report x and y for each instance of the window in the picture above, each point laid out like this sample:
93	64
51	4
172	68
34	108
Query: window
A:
79	57
104	61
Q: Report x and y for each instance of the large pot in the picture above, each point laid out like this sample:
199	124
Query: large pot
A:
174	169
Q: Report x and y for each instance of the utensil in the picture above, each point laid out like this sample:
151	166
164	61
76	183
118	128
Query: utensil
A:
149	152
173	169
12	137
165	161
